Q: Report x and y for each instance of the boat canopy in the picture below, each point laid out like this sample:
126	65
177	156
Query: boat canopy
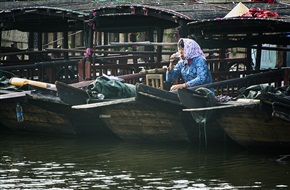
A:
241	32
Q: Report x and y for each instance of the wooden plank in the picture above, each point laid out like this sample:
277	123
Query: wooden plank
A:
247	102
14	95
100	104
156	93
99	51
146	43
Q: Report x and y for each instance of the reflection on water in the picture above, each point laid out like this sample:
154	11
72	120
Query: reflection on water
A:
62	163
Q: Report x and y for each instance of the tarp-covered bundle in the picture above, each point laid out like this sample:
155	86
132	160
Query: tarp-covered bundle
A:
111	88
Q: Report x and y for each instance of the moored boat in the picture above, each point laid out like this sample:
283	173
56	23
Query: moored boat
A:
36	120
44	113
256	126
154	115
257	118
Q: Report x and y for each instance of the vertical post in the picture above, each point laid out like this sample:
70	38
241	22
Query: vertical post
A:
249	59
39	41
222	55
286	77
31	41
54	44
106	42
73	43
85	63
31	45
81	63
133	38
0	43
284	57
106	39
82	39
258	57
150	37
45	40
65	44
90	41
99	38
183	29
160	34
126	37
65	54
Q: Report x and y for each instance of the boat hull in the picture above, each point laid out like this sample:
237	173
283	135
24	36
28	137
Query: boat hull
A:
158	121
154	116
46	114
84	123
255	127
36	120
136	121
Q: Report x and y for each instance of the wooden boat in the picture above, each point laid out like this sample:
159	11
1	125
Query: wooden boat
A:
153	115
258	126
44	113
83	123
36	120
254	123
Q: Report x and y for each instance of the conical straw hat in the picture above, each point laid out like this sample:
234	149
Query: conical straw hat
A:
238	10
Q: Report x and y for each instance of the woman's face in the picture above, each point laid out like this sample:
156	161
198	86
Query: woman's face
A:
181	51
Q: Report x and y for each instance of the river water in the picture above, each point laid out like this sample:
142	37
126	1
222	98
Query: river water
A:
48	162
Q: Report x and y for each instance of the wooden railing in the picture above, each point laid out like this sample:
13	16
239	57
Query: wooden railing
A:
117	63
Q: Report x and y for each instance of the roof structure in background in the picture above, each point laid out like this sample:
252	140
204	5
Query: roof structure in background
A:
115	16
246	29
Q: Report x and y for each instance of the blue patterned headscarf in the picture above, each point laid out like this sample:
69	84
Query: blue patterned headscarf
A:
191	49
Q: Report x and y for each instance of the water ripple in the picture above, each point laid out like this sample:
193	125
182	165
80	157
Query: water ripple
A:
31	163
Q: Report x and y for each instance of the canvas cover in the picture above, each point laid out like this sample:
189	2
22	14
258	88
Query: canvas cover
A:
254	91
111	88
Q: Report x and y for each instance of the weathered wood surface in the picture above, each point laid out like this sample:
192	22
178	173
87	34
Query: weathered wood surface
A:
154	71
165	95
130	120
135	121
146	43
106	103
230	104
12	94
99	51
70	94
36	120
84	123
255	127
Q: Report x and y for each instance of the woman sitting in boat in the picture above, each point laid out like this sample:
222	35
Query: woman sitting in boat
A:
191	67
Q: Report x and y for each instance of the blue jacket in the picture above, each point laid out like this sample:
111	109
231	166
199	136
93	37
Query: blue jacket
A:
196	73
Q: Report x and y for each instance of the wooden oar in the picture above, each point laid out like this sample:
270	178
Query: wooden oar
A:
107	103
19	82
238	103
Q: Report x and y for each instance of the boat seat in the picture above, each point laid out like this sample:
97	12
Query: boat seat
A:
155	80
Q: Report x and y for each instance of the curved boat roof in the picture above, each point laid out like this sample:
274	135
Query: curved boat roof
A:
114	15
241	32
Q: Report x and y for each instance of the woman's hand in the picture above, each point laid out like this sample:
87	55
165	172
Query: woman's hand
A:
172	57
177	86
173	60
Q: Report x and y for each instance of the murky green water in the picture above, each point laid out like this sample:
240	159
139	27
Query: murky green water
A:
30	162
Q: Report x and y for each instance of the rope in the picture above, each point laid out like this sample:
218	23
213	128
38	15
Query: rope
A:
59	39
204	119
204	129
